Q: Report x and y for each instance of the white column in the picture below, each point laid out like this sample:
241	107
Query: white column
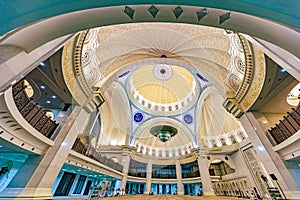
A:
40	183
205	176
271	161
125	162
179	178
149	177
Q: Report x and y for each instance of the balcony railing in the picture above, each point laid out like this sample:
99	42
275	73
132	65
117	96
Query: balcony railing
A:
286	127
31	112
91	152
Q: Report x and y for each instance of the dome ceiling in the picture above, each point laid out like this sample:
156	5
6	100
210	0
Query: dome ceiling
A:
213	52
156	87
162	68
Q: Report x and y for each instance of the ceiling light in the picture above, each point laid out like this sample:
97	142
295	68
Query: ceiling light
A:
42	87
283	70
13	82
42	64
163	132
53	97
48	101
260	148
217	161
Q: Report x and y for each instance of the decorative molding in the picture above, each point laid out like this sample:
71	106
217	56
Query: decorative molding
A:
88	98
249	68
233	102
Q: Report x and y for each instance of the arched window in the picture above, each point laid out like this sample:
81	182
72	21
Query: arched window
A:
232	139
242	135
223	141
29	91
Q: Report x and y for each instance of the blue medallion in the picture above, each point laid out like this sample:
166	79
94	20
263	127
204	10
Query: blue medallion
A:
188	119
138	117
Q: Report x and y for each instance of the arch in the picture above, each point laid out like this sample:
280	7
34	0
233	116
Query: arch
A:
232	138
222	141
158	121
111	118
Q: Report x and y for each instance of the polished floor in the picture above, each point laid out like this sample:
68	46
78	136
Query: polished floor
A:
168	197
163	197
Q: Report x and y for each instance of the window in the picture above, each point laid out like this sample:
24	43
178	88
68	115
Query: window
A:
79	185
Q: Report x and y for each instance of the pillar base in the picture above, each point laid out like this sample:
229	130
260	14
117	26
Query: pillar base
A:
26	193
180	193
209	194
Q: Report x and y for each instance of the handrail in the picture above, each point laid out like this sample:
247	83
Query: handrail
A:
91	152
31	112
286	127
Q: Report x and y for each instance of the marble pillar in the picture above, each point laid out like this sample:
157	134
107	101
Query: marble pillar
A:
179	178
270	160
205	176
125	162
149	177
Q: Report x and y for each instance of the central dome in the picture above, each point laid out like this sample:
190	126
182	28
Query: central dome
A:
162	87
162	72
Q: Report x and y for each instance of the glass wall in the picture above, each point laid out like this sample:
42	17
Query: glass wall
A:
194	189
137	169
163	188
164	171
75	181
135	188
190	170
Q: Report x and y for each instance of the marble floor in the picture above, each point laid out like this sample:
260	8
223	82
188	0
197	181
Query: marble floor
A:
162	197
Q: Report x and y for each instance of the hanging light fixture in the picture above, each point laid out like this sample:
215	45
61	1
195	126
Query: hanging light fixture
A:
163	133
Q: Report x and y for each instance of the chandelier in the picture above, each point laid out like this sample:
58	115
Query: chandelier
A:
163	133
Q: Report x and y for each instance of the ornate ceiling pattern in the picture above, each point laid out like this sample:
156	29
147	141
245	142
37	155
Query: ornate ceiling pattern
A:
155	74
156	87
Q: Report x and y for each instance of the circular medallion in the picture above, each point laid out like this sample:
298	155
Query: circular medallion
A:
239	64
138	117
188	119
162	72
86	57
